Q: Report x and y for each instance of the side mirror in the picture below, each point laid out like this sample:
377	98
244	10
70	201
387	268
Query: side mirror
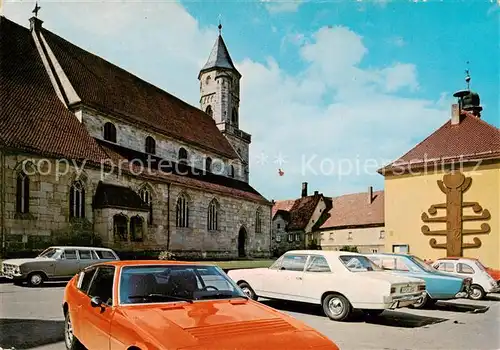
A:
96	302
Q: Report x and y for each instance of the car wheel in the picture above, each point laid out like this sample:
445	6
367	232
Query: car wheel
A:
245	287
69	338
476	292
35	279
337	307
373	312
422	302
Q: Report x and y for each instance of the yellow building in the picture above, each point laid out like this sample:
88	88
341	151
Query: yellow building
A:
442	198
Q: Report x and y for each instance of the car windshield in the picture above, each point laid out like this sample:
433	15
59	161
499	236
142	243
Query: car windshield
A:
48	253
422	264
173	283
358	263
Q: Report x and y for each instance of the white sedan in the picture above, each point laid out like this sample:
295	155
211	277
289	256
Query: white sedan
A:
339	281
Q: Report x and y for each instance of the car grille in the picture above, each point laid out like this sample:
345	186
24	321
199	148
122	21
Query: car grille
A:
8	269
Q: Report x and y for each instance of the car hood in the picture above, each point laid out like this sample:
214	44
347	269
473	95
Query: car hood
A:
24	261
388	276
235	324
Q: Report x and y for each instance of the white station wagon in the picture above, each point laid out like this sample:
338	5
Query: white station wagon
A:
339	281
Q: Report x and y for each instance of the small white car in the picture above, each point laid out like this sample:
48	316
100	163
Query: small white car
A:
482	282
339	281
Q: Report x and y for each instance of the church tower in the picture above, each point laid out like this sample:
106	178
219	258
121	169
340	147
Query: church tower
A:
220	98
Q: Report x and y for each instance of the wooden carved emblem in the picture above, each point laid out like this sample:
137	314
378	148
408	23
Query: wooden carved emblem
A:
454	185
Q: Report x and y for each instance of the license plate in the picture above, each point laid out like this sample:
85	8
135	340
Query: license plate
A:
408	289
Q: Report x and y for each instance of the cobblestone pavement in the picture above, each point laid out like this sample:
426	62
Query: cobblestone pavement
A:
32	318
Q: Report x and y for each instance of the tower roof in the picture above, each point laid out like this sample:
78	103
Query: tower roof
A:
219	57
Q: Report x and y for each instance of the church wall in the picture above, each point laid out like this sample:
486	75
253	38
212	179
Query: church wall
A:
49	212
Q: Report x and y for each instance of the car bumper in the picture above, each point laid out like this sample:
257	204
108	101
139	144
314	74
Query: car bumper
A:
403	300
494	290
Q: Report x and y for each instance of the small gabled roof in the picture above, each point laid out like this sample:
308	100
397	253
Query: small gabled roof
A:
114	196
297	212
219	57
472	139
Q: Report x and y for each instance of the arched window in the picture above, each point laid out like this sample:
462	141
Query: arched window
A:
77	200
209	111
150	145
22	193
183	155
120	227
136	229
213	216
258	221
109	132
208	164
234	116
231	171
145	195
182	215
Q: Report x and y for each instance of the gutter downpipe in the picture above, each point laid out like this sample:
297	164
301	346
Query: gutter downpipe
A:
168	216
2	201
271	232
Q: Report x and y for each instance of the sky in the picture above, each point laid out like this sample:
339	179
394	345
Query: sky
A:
331	90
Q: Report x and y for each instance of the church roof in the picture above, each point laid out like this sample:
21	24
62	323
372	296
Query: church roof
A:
472	139
219	57
34	120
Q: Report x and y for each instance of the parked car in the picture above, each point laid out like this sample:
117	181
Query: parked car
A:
157	305
439	286
54	263
339	281
482	282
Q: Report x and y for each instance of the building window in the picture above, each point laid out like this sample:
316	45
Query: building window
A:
182	215
258	221
374	250
77	200
231	171
136	229
401	248
297	237
290	237
150	145
349	236
22	193
183	155
208	164
382	234
213	216
120	230
209	111
110	132
278	238
278	226
331	237
145	195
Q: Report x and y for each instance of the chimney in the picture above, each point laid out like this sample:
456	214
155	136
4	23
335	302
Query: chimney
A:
35	24
455	114
304	189
370	195
316	193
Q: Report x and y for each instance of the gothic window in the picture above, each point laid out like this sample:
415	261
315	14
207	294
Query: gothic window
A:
258	221
182	215
120	229
208	164
231	171
145	195
213	216
22	193
136	229
207	81
209	111
150	145
77	200
183	155
109	132
234	116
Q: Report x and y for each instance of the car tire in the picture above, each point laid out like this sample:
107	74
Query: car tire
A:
245	287
71	342
373	312
336	307
423	302
35	279
476	292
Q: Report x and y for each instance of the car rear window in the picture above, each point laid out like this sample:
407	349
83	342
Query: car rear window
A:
105	254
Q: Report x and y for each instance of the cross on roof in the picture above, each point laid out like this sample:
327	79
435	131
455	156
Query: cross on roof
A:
36	9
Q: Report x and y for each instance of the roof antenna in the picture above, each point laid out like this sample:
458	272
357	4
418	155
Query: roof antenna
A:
220	24
467	77
36	9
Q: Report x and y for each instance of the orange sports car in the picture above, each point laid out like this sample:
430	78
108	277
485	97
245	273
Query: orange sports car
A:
156	305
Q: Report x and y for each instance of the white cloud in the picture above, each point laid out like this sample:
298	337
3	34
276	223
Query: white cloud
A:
336	110
281	6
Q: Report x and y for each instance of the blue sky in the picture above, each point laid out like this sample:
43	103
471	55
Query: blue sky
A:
333	89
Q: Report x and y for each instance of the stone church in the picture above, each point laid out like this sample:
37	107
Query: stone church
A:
84	143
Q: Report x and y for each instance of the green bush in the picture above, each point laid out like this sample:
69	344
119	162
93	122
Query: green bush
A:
166	255
349	248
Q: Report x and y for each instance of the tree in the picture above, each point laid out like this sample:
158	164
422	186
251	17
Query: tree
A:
349	248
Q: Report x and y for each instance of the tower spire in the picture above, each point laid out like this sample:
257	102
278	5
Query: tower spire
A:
467	77
220	24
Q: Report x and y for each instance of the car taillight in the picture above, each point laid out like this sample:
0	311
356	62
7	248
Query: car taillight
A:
421	287
393	290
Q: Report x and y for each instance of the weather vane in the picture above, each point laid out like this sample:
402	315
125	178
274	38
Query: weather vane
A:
467	77
36	9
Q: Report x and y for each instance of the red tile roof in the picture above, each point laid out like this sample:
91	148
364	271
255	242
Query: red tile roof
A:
471	140
106	87
33	119
354	210
299	210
